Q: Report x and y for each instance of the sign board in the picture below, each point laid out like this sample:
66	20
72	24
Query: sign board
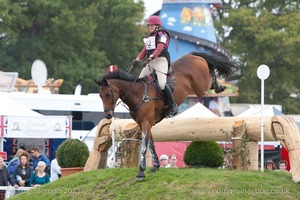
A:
36	127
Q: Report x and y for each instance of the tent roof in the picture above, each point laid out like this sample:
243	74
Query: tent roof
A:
197	110
13	108
255	111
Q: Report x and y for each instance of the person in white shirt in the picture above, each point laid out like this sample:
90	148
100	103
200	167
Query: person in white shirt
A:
55	170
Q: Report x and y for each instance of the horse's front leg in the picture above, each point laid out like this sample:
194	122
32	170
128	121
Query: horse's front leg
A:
154	155
141	174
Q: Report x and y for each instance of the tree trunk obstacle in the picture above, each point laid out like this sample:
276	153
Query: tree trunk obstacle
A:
243	132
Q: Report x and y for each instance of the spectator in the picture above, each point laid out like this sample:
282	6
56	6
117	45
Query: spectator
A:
14	163
55	169
119	162
173	161
5	178
282	166
164	161
39	177
270	165
37	157
213	106
23	171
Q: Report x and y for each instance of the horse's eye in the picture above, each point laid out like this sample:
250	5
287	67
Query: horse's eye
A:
107	95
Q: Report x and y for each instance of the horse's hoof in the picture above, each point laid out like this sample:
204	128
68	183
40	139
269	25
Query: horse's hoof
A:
153	169
220	88
140	176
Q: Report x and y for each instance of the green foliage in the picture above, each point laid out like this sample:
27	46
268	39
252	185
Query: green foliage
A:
76	39
72	153
264	32
207	154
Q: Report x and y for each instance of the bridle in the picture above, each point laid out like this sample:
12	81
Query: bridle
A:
112	99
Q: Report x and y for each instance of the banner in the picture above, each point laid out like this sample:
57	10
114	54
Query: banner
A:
36	127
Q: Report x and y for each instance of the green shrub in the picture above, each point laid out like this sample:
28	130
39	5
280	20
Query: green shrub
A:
72	153
204	154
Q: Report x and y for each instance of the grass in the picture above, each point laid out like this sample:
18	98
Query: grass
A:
184	183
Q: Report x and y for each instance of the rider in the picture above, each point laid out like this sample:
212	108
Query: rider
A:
158	57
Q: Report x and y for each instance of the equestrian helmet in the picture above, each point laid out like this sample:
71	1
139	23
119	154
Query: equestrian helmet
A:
154	20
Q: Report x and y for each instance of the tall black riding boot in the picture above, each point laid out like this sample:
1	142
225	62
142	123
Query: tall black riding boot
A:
169	96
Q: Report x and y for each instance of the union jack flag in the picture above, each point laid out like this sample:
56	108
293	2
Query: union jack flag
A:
3	126
68	129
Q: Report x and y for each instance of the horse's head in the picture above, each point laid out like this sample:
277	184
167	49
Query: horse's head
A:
109	97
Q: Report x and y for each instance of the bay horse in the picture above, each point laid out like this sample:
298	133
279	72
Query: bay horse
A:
193	74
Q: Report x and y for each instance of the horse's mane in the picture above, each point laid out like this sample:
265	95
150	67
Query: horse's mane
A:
122	75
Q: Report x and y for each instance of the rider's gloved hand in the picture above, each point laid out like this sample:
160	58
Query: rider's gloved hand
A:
135	62
151	57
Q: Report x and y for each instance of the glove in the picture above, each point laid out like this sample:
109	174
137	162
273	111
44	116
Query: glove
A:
146	61
151	57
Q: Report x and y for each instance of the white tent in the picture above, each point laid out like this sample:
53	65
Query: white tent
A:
197	110
255	111
13	108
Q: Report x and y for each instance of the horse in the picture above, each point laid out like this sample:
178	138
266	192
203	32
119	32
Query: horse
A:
193	73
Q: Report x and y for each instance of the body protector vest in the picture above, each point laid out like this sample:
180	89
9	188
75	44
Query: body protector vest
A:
151	41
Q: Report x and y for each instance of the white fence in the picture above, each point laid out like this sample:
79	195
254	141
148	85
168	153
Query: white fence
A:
9	191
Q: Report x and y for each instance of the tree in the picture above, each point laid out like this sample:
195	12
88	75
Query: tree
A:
264	32
76	39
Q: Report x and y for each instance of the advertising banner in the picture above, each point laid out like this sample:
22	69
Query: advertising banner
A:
36	127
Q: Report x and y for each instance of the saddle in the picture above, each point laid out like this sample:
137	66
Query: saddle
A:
154	82
152	79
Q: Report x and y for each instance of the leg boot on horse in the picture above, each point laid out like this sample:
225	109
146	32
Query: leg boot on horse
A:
215	85
147	140
170	99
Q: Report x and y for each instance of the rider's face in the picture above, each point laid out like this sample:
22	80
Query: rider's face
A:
151	27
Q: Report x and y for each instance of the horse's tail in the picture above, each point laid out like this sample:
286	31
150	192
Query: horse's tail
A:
223	65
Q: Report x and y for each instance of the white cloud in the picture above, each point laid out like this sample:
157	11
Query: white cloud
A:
164	15
170	23
188	28
172	19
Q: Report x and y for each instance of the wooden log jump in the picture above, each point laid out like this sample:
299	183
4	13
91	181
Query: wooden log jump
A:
277	128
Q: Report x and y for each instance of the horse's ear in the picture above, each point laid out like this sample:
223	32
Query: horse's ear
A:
103	83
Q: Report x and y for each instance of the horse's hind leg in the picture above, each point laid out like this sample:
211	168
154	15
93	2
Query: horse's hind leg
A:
141	174
154	155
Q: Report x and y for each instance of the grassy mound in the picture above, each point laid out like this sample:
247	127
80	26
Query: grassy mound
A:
184	183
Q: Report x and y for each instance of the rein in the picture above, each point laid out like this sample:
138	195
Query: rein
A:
145	98
123	97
